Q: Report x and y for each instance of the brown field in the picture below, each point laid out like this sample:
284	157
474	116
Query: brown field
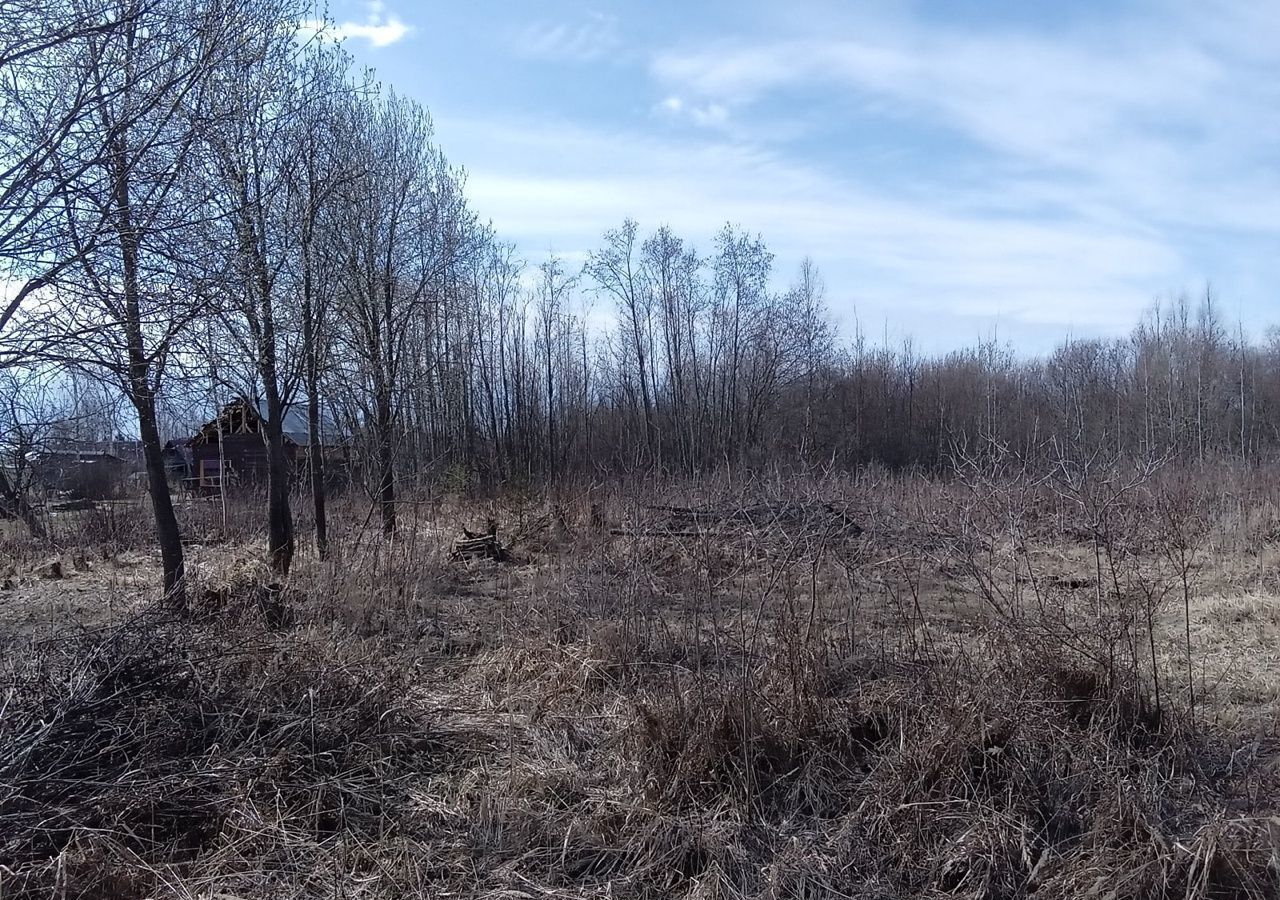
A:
882	686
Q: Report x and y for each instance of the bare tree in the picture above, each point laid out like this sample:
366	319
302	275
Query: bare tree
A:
814	340
742	267
45	111
322	163
129	217
615	269
552	288
671	272
405	226
247	128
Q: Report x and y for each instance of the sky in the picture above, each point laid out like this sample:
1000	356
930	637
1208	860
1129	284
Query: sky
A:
957	169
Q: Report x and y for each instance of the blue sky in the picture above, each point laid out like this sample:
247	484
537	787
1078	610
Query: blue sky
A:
955	168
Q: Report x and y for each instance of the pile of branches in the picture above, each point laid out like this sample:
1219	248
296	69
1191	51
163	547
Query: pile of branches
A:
789	519
127	756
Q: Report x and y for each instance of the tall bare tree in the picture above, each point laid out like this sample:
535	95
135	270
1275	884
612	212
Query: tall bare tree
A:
615	269
129	217
248	129
405	224
319	147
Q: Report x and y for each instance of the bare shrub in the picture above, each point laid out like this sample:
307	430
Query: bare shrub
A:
129	755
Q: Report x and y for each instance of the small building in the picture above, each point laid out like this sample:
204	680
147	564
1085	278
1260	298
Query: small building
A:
81	474
234	445
127	450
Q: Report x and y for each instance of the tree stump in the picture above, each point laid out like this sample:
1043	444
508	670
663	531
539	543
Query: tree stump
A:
50	570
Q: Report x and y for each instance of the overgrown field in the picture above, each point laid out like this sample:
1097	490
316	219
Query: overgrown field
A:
995	685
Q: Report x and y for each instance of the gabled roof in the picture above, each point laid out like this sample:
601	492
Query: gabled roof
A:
240	416
296	427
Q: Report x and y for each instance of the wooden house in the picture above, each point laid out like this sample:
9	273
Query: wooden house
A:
234	445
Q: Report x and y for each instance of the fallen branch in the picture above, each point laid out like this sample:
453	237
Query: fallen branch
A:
483	546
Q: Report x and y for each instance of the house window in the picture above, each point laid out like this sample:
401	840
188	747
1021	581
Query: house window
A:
210	472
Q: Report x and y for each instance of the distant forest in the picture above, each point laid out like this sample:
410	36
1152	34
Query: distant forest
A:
200	199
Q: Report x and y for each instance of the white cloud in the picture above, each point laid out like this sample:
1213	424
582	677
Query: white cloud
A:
705	115
555	185
1019	95
1045	181
379	28
1168	125
586	41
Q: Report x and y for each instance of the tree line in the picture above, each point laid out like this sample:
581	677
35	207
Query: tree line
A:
205	198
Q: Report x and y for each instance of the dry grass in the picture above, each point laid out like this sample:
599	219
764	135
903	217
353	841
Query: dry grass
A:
940	702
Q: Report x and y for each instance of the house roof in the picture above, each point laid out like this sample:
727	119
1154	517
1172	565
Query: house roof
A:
122	448
296	427
79	456
234	420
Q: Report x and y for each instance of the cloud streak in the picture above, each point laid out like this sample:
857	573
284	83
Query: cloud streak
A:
1142	121
583	41
705	115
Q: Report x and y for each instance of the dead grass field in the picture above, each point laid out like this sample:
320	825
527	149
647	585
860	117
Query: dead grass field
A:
870	687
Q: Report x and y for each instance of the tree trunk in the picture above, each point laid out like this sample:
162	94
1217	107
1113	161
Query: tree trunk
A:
15	504
315	449
311	337
280	544
142	391
168	536
386	466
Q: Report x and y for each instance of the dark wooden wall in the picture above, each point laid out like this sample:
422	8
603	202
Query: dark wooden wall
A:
245	454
